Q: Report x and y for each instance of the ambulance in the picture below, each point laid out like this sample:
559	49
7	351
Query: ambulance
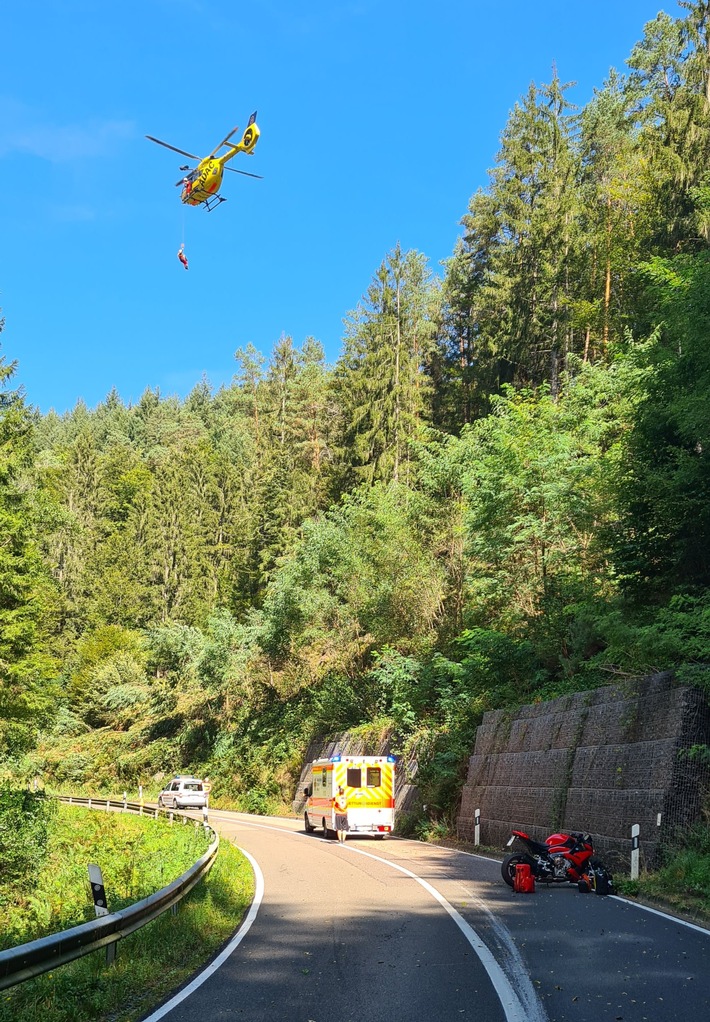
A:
368	782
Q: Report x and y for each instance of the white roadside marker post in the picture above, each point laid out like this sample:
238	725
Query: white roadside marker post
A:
635	831
98	892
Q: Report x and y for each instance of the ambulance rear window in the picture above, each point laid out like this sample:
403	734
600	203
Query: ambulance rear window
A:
354	779
374	777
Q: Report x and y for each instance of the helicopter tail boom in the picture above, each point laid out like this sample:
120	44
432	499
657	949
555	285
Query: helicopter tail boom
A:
247	143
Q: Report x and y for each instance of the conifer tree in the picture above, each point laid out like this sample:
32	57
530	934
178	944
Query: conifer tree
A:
614	194
380	382
24	587
669	87
510	286
465	366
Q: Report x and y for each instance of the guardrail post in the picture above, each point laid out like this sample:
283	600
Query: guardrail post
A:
125	800
89	803
477	827
140	798
635	831
204	815
171	817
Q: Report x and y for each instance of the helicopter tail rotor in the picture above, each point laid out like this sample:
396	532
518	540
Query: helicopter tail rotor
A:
250	136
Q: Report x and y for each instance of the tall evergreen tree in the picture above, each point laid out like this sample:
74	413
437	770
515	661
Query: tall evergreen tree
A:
670	70
25	597
380	381
466	368
614	194
510	287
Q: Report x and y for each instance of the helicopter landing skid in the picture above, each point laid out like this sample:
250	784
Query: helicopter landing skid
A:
213	202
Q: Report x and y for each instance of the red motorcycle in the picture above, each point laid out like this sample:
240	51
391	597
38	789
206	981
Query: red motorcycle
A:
563	858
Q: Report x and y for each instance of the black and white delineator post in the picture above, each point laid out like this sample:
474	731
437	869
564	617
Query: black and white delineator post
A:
477	827
635	840
98	890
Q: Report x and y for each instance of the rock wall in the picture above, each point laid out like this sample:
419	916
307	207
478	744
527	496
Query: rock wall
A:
595	761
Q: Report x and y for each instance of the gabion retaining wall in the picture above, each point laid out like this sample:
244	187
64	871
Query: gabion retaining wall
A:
597	761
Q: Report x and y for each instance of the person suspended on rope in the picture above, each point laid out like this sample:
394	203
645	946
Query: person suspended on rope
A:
181	256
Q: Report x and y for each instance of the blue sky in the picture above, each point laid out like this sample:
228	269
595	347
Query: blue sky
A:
379	120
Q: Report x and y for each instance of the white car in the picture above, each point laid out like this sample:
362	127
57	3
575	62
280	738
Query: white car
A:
184	793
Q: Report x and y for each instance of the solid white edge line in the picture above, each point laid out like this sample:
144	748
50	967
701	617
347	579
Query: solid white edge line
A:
513	1008
511	1003
225	953
614	897
659	912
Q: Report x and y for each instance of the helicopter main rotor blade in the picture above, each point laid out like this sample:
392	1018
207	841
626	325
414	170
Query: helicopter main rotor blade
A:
174	148
224	141
244	172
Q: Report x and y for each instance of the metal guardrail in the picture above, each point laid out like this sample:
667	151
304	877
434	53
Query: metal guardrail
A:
25	961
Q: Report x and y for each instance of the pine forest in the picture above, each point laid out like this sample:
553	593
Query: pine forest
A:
499	493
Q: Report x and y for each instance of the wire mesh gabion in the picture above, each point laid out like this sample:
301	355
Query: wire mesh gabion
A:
597	761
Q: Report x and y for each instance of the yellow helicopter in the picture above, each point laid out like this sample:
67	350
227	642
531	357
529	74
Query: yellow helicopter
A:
200	185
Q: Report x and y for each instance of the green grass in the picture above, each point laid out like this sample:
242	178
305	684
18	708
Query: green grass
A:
682	884
151	962
137	856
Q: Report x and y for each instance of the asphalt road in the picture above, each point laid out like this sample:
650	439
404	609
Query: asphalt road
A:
399	930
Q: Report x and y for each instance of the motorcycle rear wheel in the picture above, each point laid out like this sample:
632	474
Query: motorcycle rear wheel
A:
507	866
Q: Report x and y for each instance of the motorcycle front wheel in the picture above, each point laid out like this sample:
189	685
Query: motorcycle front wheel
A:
507	866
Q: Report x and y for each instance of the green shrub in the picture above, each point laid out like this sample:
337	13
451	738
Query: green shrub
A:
24	823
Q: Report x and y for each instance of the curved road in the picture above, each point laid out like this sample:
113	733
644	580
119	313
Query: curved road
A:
399	930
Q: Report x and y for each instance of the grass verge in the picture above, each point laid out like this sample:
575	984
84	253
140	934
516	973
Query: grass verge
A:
681	886
150	963
137	855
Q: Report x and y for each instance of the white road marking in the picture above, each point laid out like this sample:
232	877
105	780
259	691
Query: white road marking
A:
663	915
516	992
223	955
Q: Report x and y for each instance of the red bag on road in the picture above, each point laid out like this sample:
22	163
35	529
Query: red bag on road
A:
524	882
